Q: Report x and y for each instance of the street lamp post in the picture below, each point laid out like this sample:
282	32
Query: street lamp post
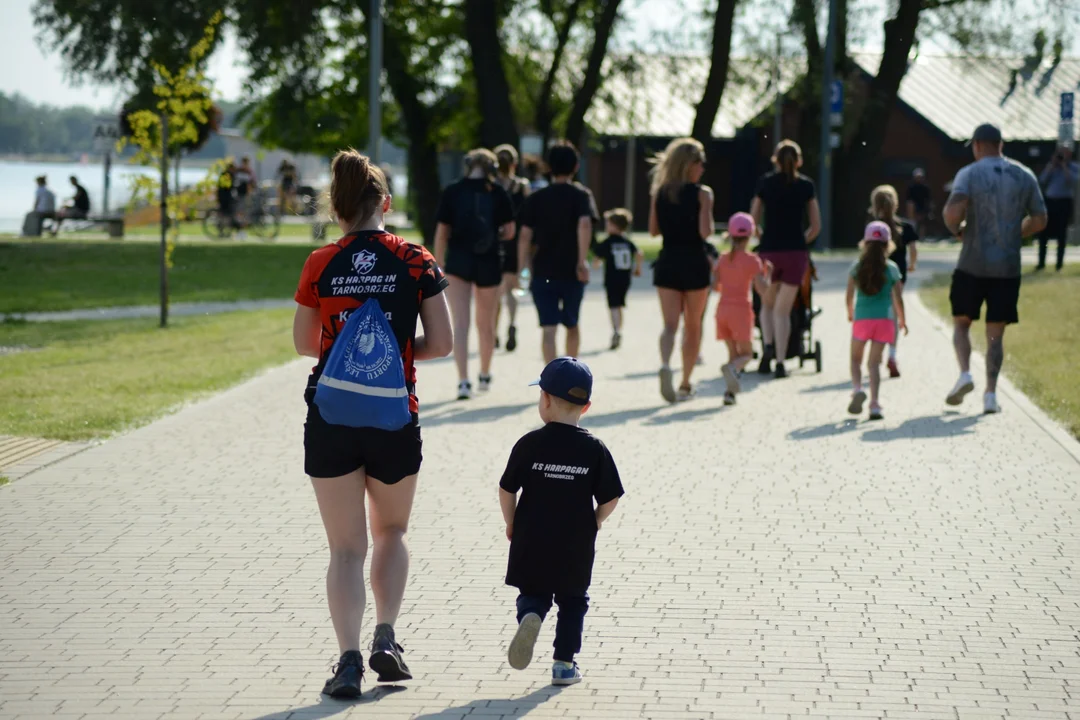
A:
825	188
374	83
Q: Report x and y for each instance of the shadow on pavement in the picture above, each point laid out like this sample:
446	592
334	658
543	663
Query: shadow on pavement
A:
514	707
684	416
931	426
328	707
476	414
590	420
826	430
845	385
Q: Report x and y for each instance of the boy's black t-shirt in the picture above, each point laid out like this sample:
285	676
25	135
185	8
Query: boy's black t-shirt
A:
553	214
560	470
619	256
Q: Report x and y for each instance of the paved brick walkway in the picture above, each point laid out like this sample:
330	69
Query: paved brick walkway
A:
774	559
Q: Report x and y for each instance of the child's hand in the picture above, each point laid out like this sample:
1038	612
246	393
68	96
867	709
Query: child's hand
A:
850	315
509	532
637	272
903	326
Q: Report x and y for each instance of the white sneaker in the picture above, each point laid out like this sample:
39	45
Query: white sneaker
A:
485	383
464	390
963	386
730	378
990	404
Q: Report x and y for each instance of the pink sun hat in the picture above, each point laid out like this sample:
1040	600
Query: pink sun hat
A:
741	225
877	231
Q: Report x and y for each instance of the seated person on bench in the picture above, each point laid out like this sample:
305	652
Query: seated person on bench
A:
44	209
77	209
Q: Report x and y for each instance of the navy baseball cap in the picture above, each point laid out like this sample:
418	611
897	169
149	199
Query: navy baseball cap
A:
568	379
986	133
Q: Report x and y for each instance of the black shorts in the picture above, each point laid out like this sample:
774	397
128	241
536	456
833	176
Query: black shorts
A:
1001	295
682	272
509	252
335	450
557	302
616	293
480	270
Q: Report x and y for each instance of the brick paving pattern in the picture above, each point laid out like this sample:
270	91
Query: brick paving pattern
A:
774	559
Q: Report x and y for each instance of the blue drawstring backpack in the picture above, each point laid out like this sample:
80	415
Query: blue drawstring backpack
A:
363	382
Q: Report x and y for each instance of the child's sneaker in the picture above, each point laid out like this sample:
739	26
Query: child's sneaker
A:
616	341
464	390
990	404
521	647
731	379
485	383
876	413
963	386
857	399
563	673
894	369
729	398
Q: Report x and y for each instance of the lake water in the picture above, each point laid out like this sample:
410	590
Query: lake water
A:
17	185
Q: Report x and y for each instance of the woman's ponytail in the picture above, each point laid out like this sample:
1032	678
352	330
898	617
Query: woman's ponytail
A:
787	158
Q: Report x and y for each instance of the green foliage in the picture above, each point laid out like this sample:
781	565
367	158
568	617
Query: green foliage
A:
29	129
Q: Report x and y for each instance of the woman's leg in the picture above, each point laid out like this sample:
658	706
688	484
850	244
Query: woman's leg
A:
509	282
391	506
768	300
857	349
692	321
487	302
781	318
459	295
671	303
341	504
877	349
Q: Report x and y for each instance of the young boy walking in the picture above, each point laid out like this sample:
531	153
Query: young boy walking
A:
621	257
560	470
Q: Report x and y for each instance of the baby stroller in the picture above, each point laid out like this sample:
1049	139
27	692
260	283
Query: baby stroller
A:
801	343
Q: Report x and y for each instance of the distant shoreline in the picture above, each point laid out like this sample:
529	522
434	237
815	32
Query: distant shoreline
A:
95	158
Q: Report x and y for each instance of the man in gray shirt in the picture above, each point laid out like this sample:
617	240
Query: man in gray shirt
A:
1058	180
995	203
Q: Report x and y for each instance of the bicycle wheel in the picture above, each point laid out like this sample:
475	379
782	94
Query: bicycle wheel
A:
215	225
266	226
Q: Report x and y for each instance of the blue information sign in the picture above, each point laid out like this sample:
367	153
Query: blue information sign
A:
1067	104
836	97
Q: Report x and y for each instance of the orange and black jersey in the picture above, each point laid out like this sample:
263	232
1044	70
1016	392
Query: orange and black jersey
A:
340	277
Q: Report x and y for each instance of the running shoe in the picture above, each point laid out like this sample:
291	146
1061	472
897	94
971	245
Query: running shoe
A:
729	398
563	673
876	413
347	676
386	657
616	341
766	360
781	371
990	404
484	383
496	339
464	390
731	378
963	386
894	370
667	385
700	360
857	399
521	647
685	393
511	339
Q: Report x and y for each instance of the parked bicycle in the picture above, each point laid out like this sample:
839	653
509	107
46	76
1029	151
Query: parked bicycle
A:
252	213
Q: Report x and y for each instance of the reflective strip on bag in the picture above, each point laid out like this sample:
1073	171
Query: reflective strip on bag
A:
363	389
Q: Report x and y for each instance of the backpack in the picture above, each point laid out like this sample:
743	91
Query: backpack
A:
475	220
363	381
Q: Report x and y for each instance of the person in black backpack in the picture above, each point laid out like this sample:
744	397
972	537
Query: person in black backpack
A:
474	214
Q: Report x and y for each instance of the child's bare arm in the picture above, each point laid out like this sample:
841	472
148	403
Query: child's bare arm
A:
898	306
603	511
850	299
508	503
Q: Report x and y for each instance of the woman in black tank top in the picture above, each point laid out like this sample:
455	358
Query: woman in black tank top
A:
681	212
518	187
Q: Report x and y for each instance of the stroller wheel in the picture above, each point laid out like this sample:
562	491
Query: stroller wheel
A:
817	355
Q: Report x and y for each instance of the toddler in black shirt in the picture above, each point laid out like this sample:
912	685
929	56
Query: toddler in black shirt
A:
621	258
560	470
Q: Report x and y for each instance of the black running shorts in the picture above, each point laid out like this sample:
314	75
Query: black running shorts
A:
1001	295
480	270
388	456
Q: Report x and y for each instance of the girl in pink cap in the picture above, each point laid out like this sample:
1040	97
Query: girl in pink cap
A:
733	276
873	295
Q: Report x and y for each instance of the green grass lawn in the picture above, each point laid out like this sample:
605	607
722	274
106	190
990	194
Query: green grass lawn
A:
91	379
1041	351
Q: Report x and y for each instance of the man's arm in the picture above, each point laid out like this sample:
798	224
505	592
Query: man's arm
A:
525	248
584	237
1033	224
955	212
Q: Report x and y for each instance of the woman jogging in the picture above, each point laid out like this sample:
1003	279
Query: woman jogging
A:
873	298
736	272
474	214
351	465
784	197
681	212
883	204
518	189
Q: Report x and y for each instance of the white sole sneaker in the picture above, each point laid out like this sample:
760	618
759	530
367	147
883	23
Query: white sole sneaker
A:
521	647
957	395
667	385
857	400
732	380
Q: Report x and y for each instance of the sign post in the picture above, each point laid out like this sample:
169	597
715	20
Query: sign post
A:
828	100
1066	129
106	135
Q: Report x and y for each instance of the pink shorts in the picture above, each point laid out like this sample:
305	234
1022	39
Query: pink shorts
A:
880	330
735	323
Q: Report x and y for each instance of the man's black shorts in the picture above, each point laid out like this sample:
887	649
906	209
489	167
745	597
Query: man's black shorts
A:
1001	295
480	270
336	450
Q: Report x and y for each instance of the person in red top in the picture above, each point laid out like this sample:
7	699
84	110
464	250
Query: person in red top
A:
735	273
348	465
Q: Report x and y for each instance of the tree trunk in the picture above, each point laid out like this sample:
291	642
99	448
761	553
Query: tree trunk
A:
807	94
423	154
544	114
590	84
856	165
496	112
718	70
